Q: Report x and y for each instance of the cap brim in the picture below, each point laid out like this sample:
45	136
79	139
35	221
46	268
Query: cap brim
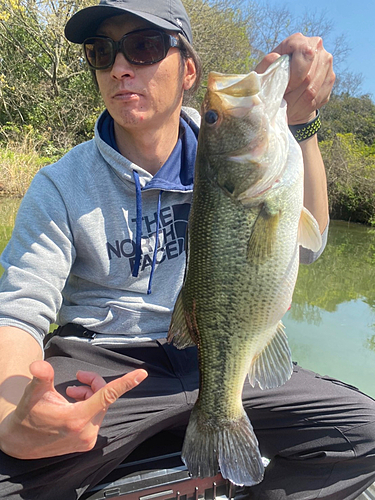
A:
86	21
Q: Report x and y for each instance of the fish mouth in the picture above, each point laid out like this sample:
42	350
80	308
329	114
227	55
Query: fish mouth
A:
234	85
240	93
257	98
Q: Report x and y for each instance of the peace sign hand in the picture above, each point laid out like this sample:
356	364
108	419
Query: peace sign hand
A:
45	424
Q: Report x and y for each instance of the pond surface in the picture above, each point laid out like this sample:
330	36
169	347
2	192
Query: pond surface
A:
331	324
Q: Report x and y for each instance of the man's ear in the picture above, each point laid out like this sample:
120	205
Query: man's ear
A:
190	74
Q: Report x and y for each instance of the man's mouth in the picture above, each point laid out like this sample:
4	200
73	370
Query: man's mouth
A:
126	95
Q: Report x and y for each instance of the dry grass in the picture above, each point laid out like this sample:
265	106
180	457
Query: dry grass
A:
19	162
8	212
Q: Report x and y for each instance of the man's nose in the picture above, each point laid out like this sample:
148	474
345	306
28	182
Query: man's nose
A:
122	67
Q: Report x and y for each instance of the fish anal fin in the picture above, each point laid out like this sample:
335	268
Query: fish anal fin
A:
273	365
231	447
179	331
308	231
263	237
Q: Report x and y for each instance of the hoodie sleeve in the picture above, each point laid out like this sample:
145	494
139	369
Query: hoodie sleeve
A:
36	261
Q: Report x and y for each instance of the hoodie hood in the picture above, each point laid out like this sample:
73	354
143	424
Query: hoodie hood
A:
177	173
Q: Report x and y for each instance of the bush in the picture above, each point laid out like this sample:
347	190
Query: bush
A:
351	179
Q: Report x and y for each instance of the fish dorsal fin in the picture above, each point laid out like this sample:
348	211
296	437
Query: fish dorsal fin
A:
179	331
308	231
273	365
263	237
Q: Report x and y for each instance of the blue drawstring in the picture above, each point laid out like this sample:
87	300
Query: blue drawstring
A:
138	236
156	244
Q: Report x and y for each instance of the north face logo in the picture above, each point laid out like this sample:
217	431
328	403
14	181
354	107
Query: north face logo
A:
170	240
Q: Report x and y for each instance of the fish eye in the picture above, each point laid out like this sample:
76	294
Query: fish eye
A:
211	117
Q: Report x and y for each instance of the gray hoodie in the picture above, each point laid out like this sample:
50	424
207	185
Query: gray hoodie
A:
84	246
100	242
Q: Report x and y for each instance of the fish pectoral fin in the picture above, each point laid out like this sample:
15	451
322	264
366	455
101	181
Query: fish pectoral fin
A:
308	231
179	332
263	237
273	365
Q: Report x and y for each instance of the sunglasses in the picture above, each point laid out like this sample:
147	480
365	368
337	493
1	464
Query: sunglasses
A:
145	46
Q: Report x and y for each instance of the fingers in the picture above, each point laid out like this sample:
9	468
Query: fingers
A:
41	388
108	394
94	382
79	393
92	379
46	424
311	76
303	52
266	62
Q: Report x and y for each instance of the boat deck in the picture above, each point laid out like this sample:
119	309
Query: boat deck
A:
162	476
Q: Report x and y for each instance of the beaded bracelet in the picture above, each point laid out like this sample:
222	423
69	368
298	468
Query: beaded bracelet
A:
303	131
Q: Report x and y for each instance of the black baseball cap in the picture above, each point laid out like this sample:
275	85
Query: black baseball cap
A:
165	14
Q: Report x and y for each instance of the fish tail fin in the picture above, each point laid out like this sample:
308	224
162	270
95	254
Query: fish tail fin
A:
232	448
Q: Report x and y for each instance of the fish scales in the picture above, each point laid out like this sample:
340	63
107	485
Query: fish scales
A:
242	263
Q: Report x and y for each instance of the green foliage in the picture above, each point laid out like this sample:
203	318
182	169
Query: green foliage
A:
220	37
345	114
351	178
43	79
8	210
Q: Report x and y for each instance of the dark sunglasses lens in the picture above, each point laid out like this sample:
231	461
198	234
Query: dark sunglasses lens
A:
144	47
99	52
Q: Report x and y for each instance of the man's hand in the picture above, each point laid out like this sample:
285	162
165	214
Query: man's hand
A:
311	75
45	424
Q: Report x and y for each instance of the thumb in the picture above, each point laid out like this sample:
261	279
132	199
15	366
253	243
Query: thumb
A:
42	373
266	62
108	394
42	382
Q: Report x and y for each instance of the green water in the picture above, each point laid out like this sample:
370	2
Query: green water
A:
331	324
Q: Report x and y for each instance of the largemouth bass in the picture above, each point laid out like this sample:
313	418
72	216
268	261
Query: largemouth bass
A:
246	224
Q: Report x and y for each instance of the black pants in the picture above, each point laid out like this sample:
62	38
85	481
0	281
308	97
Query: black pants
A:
318	432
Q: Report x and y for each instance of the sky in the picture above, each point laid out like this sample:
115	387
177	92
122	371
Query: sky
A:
355	19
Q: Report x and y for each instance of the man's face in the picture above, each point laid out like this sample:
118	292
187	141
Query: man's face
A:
142	96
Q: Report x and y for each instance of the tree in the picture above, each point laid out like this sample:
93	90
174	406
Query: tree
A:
350	178
43	80
220	38
269	24
346	114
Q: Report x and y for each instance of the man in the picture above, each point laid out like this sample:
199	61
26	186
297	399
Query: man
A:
99	242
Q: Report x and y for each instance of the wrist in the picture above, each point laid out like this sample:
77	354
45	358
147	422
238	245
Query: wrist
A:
304	131
310	142
7	434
